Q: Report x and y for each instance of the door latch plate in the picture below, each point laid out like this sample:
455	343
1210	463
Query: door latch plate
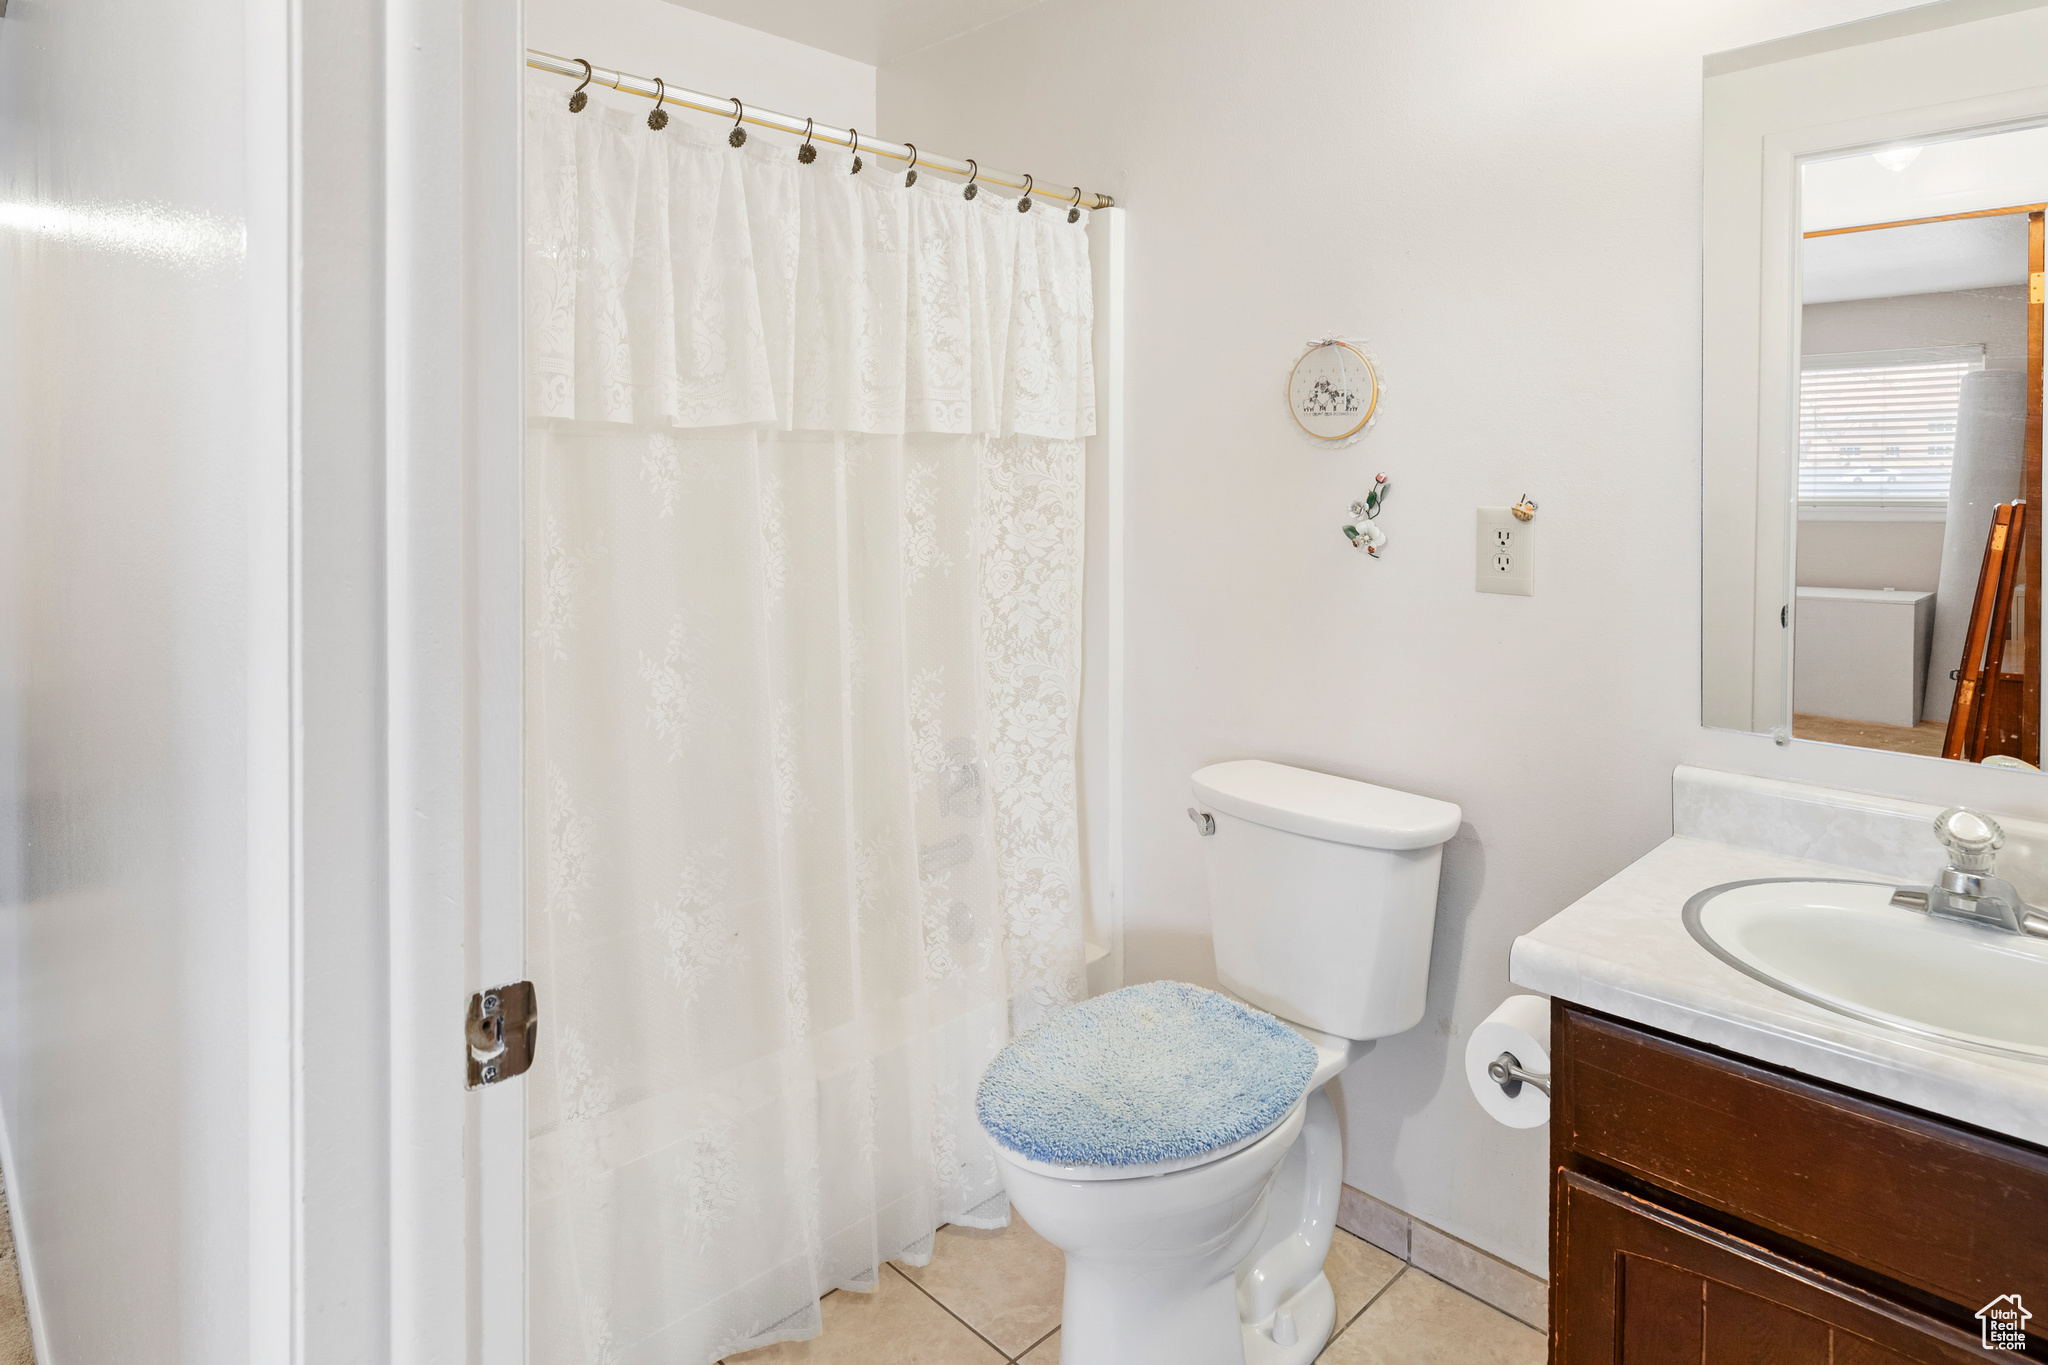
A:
504	1022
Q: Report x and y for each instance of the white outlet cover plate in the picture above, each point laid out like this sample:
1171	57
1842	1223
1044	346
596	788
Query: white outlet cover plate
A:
1504	554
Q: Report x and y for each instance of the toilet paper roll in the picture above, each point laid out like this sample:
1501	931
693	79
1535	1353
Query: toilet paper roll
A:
1522	1026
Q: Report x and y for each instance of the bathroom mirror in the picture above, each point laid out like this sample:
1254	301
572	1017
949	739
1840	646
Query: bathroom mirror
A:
1871	428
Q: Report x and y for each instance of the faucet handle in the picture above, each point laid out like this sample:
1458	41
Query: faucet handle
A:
1972	840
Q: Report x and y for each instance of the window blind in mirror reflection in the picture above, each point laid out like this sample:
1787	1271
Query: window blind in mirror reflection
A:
1879	429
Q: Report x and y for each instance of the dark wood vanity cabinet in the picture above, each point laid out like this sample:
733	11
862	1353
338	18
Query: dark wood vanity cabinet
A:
1716	1211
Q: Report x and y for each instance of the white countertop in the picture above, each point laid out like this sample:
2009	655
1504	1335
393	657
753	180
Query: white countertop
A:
1623	949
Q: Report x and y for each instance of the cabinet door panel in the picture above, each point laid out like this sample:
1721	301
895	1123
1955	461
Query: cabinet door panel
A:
1745	1329
1635	1284
1662	1313
1856	1351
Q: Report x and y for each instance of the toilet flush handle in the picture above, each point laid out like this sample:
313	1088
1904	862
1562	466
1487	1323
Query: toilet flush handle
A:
1204	821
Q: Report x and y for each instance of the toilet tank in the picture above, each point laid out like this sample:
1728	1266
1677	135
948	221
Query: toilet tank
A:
1322	894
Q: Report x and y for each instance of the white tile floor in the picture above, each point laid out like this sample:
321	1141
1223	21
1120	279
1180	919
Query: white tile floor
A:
991	1298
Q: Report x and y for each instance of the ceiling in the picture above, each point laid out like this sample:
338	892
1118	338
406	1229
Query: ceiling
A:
1982	171
1927	258
873	31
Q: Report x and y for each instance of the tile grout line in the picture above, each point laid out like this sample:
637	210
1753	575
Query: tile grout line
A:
1373	1209
1036	1344
1347	1325
1008	1359
1349	1322
1494	1306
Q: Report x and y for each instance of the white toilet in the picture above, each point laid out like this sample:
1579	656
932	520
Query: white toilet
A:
1323	901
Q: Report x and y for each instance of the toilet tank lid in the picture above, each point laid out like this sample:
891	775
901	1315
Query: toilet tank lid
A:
1326	807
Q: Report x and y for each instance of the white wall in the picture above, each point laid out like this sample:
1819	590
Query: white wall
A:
1839	553
135	365
1506	200
715	56
1995	319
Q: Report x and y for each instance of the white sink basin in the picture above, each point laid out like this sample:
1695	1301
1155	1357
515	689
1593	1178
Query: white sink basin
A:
1843	945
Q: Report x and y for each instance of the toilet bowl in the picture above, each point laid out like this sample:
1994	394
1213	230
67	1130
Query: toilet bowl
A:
1323	901
1152	1260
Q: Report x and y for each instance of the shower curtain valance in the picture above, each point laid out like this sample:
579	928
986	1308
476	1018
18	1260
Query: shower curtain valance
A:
678	282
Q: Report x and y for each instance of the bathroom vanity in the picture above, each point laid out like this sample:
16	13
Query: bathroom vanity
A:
1799	1051
1739	1174
1708	1208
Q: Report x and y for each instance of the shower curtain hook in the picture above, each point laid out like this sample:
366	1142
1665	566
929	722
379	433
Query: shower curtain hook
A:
738	136
1074	213
807	153
972	188
1024	204
658	120
577	99
910	176
857	162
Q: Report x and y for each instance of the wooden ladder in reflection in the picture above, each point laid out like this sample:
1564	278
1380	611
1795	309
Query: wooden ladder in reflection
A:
1985	718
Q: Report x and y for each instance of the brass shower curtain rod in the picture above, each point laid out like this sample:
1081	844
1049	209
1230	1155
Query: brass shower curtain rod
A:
652	87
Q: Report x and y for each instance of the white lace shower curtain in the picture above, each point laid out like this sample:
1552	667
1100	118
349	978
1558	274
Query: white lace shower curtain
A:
804	502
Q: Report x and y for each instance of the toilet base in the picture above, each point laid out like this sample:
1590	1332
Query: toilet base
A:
1120	1315
1152	1261
1284	1303
1313	1313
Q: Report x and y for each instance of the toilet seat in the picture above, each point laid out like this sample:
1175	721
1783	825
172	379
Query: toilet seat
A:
1146	1170
1142	1082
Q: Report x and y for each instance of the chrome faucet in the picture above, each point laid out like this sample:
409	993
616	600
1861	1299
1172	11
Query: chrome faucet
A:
1967	890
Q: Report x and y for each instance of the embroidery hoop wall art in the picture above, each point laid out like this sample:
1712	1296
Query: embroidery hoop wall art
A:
1334	392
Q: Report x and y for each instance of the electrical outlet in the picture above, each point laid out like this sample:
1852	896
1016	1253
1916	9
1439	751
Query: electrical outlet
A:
1506	554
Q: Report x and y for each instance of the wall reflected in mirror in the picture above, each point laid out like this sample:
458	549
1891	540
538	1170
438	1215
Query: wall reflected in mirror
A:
1915	616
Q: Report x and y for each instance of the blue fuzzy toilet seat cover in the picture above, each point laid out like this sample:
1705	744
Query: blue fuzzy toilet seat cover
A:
1160	1072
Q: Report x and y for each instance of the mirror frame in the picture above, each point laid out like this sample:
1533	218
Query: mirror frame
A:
1769	109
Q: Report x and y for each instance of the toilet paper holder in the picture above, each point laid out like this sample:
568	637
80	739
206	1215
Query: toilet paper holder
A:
1506	1072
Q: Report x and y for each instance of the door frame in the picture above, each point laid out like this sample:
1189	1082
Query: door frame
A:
459	1265
494	233
404	1212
